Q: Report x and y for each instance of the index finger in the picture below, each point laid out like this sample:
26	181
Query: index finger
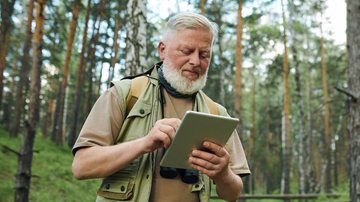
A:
173	122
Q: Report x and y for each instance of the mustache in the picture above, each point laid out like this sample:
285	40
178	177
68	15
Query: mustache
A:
196	69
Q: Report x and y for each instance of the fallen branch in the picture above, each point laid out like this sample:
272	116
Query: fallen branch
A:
6	148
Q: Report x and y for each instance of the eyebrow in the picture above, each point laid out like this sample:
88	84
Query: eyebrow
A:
205	49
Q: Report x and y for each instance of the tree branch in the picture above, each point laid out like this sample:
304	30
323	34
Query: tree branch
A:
349	94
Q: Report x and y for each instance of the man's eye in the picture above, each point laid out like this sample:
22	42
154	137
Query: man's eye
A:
204	55
186	51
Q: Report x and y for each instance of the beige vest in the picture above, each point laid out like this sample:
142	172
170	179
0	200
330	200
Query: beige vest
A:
133	183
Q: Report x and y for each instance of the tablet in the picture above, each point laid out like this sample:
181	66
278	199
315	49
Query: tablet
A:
195	128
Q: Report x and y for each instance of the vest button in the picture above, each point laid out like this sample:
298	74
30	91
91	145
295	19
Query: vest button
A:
142	111
122	188
107	186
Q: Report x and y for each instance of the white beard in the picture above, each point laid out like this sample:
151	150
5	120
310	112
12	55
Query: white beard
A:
181	84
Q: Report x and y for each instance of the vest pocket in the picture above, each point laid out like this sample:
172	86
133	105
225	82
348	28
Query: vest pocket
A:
140	110
120	185
117	189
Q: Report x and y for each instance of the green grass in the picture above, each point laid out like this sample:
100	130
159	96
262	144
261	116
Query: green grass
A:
52	178
53	181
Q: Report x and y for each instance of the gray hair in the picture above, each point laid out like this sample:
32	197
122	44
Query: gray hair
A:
189	20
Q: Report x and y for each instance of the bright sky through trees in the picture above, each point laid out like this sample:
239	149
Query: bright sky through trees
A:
335	13
334	22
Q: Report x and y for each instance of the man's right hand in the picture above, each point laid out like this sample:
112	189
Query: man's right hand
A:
99	161
161	135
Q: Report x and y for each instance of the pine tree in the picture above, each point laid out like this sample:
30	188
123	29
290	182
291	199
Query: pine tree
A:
23	175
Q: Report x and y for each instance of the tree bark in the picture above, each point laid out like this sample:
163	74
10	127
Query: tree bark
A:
308	151
136	37
79	82
327	135
285	188
115	45
221	72
55	126
7	9
238	71
251	139
58	130
9	98
48	118
300	134
202	7
353	47
92	49
24	73
23	176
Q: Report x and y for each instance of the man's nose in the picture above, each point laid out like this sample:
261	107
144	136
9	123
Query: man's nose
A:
195	58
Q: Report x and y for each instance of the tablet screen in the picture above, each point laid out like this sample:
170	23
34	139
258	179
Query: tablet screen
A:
195	128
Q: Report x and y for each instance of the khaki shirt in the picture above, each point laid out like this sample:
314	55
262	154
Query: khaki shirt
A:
101	130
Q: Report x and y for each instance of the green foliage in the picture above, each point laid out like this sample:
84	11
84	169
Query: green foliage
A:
51	180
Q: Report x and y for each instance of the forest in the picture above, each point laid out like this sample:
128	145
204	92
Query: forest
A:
276	65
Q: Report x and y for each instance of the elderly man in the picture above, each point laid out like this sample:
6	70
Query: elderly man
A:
124	136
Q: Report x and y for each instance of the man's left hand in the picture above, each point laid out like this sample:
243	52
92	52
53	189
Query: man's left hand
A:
212	160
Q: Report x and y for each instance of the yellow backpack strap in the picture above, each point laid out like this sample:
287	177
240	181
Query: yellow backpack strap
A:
138	85
212	105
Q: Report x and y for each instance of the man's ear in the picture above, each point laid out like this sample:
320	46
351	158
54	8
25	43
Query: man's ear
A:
161	50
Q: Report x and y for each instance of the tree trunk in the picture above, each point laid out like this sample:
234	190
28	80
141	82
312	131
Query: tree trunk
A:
271	144
251	139
353	47
219	22
300	134
136	37
336	151
58	125
23	176
24	74
115	45
101	70
308	152
55	126
9	99
202	7
79	83
91	55
327	135
285	188
300	128
7	9
48	119
238	71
